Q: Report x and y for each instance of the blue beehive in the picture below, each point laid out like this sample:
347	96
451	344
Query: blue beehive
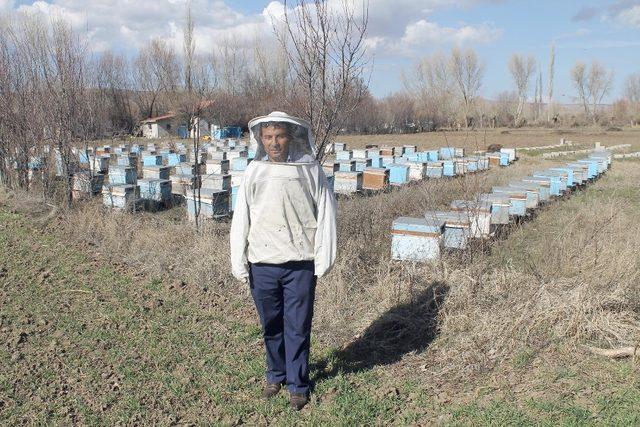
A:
251	154
456	228
472	164
593	167
185	169
158	190
422	156
434	170
376	161
416	239
347	166
448	168
410	149
558	185
212	204
570	181
339	146
447	153
122	175
361	164
548	186
433	155
343	155
398	174
517	199
500	205
152	160
175	158
411	157
120	196
359	153
386	161
554	182
373	153
580	172
532	192
240	163
504	159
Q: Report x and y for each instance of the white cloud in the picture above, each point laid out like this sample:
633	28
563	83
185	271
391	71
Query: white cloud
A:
426	32
631	16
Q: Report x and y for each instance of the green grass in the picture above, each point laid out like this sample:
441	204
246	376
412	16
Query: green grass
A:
87	343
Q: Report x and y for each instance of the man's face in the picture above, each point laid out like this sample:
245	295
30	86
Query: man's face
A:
276	143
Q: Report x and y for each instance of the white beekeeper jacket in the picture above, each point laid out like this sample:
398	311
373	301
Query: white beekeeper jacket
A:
285	211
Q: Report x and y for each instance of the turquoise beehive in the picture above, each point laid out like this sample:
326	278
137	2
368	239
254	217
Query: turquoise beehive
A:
398	174
416	239
517	199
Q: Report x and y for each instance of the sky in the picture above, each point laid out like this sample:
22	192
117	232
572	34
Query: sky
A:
400	32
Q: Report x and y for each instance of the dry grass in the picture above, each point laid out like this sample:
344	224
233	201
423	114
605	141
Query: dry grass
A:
570	276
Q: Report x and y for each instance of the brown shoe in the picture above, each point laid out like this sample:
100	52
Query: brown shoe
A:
271	390
298	400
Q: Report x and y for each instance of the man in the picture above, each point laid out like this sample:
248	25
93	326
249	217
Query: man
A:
283	237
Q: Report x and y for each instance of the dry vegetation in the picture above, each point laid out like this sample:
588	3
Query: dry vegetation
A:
478	319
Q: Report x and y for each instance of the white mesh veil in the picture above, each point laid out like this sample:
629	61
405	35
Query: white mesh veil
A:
281	138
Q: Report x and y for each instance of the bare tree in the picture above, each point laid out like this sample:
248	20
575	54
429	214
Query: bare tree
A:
552	65
156	72
467	72
632	94
432	86
324	42
592	86
521	69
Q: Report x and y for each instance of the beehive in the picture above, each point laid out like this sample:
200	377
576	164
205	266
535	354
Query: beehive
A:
127	161
120	196
472	164
456	228
532	191
500	205
580	172
99	163
346	182
546	186
446	153
511	152
212	204
417	171
416	239
175	158
185	169
494	159
84	184
330	167
517	199
343	155
339	146
157	190
386	151
569	173
592	167
376	161
375	179
398	151
434	169
373	153
216	182
347	166
558	181
504	159
358	154
479	215
362	164
122	175
181	183
156	172
460	167
448	168
219	167
398	174
151	160
386	161
410	149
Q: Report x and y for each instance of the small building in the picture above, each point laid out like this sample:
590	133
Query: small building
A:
159	127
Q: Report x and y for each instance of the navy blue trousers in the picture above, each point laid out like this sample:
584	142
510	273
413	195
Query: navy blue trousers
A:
284	294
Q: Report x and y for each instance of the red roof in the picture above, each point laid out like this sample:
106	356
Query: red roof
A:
155	119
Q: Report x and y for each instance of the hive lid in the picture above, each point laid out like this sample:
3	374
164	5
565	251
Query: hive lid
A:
418	225
470	205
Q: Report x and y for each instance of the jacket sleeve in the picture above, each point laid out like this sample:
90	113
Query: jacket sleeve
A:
238	235
325	238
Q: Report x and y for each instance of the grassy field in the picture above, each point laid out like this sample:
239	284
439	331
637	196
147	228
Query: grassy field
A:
134	319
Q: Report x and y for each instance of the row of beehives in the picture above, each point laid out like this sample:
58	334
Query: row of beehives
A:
421	239
166	174
376	168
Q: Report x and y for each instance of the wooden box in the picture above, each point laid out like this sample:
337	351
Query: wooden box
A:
219	167
479	214
216	182
398	174
375	179
500	205
122	175
156	172
517	199
346	182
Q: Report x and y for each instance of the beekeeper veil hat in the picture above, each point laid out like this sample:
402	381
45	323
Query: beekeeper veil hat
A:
281	138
